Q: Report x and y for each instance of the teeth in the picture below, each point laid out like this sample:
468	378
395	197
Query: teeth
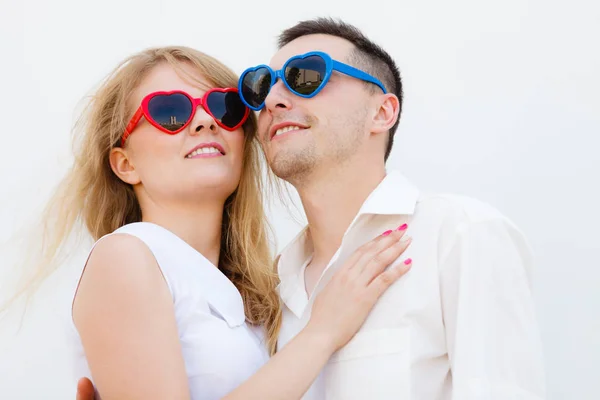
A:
286	129
203	150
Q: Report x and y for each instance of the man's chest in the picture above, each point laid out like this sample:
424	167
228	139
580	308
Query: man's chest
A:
312	274
386	357
414	297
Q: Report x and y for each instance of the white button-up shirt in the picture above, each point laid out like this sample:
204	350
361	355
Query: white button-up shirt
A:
460	325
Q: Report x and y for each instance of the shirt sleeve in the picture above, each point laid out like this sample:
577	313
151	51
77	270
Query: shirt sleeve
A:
492	334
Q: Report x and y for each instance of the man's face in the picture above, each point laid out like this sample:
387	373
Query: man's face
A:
301	136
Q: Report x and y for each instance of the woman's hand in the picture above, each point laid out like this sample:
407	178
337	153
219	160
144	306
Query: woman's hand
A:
343	305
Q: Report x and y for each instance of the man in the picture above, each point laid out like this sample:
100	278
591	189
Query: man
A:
461	325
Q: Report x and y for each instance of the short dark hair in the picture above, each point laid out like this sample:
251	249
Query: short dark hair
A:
366	56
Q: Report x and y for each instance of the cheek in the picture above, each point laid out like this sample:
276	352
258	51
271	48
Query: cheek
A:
151	152
235	143
341	125
263	124
347	113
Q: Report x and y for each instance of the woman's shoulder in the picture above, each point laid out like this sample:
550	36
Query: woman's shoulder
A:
119	264
122	258
120	247
138	250
134	240
119	267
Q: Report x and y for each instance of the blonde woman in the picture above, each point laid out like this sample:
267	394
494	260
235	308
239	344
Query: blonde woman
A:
177	299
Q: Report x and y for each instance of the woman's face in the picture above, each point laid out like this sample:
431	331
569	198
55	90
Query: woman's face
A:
202	162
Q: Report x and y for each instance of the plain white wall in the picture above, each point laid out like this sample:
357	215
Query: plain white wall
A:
502	103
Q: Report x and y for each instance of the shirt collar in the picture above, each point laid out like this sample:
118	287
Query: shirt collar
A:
290	265
394	195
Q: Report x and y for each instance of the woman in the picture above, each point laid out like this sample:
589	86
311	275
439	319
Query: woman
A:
177	298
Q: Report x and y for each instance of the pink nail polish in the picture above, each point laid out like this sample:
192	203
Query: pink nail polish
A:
386	233
407	261
402	227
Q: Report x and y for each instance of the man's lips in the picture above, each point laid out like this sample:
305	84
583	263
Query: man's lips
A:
285	127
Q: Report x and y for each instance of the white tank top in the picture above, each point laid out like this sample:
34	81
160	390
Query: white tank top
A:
219	348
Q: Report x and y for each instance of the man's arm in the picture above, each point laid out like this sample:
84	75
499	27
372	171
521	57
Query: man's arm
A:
491	329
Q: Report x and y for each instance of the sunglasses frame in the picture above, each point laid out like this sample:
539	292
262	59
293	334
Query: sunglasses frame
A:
142	111
330	66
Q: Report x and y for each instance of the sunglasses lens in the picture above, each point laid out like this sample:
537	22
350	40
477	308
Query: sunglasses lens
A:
305	75
226	107
255	86
171	112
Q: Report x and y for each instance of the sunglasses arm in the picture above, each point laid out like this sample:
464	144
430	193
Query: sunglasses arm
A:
357	73
132	124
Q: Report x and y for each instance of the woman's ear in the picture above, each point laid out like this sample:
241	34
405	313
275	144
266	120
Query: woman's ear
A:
123	167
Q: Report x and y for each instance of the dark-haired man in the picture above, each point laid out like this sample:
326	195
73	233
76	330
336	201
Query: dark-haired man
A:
461	325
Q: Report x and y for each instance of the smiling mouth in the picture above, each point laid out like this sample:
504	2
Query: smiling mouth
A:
286	129
205	152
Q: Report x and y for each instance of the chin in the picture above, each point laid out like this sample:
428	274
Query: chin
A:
216	180
291	166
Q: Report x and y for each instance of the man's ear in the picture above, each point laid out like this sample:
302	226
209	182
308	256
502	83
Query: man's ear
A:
123	167
386	113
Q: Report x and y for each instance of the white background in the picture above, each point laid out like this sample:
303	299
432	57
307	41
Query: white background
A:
502	103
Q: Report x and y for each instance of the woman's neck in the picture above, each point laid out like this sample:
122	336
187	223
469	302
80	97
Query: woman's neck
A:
199	226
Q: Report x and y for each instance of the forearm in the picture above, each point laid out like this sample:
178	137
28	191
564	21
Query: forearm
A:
289	373
337	314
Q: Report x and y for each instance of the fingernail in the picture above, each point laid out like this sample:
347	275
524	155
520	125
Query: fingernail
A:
402	227
407	261
386	233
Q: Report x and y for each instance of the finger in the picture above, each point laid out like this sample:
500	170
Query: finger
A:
378	245
382	260
85	390
374	253
384	280
372	246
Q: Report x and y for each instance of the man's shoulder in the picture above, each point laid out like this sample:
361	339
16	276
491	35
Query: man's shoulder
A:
452	219
457	207
441	205
453	214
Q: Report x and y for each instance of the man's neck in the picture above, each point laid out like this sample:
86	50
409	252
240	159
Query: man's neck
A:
331	200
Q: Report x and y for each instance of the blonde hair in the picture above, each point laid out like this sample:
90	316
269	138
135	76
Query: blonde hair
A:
92	195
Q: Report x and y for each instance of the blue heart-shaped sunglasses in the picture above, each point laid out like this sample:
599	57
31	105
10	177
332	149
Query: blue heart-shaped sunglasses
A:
304	75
